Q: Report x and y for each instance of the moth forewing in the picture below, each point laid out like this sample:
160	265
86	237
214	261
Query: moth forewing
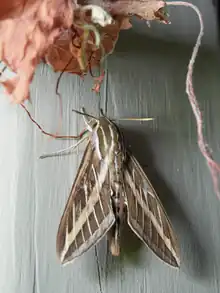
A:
146	215
88	214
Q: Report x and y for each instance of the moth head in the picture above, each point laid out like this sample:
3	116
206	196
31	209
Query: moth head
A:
93	124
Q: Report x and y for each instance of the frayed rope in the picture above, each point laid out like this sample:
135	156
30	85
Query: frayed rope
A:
204	148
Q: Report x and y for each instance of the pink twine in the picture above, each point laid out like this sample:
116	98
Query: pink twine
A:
204	148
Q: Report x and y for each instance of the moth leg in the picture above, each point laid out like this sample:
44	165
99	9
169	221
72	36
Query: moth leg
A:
63	150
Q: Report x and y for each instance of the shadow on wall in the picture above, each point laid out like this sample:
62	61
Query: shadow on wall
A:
199	264
169	62
132	41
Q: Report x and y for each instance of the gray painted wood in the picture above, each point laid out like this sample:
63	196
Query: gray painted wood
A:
142	79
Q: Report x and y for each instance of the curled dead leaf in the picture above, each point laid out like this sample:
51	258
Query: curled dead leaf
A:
69	45
57	31
66	54
11	8
145	9
25	38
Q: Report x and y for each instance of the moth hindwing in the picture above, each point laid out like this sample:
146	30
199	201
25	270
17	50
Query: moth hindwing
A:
110	180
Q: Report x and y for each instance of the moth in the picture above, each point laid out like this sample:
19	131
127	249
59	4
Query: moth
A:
110	187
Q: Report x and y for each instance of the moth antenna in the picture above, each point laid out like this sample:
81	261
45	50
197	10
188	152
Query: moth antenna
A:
102	113
84	113
137	119
98	269
86	120
132	119
63	150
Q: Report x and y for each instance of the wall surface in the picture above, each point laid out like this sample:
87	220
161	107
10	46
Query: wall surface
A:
184	26
143	79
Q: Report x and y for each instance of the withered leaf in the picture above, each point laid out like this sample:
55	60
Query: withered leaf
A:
69	46
27	29
66	53
32	30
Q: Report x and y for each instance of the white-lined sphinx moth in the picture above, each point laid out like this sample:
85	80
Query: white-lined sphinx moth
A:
108	183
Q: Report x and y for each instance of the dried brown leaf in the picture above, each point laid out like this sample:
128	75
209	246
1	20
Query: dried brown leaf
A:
11	8
145	9
70	43
28	28
35	29
66	52
125	23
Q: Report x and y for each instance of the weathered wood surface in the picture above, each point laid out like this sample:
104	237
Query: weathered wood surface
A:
34	192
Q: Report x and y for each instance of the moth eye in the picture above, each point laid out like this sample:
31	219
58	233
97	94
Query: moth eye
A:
94	125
